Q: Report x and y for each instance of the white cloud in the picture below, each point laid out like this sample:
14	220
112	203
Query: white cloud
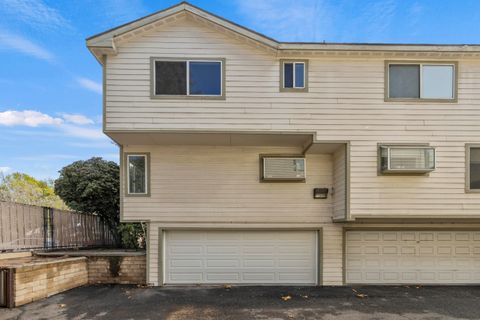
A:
28	118
90	85
73	125
35	13
25	46
81	132
5	170
287	20
77	119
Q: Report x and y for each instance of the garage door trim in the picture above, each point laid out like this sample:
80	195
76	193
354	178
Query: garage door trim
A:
390	228
162	243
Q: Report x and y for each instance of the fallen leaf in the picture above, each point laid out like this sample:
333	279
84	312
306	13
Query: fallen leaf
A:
286	298
359	295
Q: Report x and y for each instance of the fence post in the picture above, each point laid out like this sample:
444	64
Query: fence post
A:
48	241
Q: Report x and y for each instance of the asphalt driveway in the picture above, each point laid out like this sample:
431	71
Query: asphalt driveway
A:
175	303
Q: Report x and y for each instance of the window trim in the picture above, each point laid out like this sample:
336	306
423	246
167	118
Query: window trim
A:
127	193
187	96
468	147
420	63
305	75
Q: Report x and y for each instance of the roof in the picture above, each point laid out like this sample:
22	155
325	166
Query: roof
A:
104	43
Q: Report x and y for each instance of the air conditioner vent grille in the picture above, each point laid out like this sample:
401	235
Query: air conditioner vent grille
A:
283	168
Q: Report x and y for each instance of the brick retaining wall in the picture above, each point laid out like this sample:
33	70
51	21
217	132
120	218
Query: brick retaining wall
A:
117	269
43	279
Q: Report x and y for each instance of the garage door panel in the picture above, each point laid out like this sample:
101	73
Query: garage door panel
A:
185	263
186	250
428	257
265	257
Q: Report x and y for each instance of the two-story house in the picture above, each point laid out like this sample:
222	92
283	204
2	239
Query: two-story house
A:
254	161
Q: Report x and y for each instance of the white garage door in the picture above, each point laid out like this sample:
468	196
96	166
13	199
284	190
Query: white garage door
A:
248	257
410	257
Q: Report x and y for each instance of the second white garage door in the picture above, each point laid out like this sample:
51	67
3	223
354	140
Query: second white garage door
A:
247	257
411	257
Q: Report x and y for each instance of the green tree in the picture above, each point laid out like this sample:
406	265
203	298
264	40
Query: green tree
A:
23	188
93	186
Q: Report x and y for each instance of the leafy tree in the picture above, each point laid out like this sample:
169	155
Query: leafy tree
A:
132	235
93	186
23	188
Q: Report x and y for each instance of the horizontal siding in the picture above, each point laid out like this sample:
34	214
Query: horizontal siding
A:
345	102
222	185
339	184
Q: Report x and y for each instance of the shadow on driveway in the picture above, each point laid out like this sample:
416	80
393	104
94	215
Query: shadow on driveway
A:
187	303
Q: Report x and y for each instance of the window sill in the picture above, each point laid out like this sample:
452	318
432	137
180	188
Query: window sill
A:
293	89
192	97
137	195
421	100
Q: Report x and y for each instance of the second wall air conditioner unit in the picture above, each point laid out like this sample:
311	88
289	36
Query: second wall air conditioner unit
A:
407	159
278	168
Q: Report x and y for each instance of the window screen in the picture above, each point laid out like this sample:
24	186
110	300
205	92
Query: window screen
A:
137	174
299	75
404	81
437	82
474	168
288	75
170	77
205	78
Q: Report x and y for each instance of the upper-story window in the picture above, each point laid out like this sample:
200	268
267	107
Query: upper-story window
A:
421	81
473	167
293	75
187	78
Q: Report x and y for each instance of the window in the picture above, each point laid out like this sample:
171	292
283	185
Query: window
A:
137	174
421	81
406	159
293	75
200	78
473	168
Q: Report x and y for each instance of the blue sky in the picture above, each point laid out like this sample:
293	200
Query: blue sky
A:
50	96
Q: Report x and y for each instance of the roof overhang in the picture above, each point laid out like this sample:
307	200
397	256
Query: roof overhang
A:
305	142
104	43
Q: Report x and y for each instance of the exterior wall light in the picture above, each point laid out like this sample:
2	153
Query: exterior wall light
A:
320	193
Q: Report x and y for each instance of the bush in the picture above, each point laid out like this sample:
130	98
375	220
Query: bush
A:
132	235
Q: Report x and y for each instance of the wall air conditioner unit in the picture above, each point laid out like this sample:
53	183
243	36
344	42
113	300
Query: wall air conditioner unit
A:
407	159
279	168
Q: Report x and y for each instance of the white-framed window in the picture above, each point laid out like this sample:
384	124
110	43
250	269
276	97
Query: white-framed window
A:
189	77
293	75
421	81
137	174
473	168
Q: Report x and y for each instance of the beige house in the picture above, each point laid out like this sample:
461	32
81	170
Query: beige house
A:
255	161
